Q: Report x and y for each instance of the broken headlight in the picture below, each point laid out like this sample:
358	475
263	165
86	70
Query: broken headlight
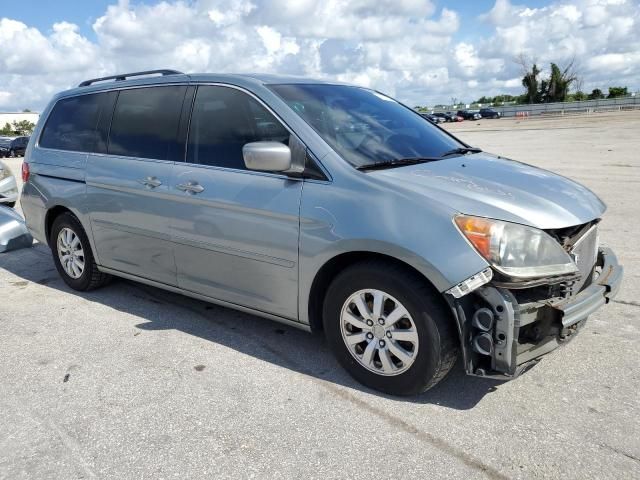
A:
515	250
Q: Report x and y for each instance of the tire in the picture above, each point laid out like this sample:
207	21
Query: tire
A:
435	338
12	153
90	277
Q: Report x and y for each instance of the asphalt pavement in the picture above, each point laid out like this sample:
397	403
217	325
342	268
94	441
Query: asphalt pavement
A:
132	382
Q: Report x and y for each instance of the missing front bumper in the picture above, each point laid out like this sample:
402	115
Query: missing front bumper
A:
523	331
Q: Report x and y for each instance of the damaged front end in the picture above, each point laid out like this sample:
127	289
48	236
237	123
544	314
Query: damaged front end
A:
505	326
13	231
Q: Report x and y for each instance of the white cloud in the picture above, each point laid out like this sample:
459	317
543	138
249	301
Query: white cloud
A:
602	36
467	58
406	48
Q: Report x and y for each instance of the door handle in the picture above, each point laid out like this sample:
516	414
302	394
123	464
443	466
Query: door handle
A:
151	182
191	187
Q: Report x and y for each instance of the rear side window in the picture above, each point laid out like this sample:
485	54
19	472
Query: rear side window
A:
145	123
223	121
72	123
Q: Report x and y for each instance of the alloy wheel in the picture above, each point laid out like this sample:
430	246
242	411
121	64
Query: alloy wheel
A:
379	332
70	253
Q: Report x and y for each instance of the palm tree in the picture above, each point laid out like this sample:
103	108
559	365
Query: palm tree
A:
557	87
530	82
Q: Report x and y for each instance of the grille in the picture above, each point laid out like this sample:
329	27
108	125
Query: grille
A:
585	253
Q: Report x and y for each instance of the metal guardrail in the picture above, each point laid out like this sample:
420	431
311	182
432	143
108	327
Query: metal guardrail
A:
563	108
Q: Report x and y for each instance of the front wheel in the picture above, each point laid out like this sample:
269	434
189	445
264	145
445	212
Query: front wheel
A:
389	329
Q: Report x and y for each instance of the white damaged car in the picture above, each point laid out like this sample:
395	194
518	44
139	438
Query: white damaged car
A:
8	186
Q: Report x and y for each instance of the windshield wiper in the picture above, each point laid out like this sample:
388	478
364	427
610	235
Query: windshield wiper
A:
461	151
397	162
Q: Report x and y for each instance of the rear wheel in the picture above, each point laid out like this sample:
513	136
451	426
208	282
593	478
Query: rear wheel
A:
389	329
72	254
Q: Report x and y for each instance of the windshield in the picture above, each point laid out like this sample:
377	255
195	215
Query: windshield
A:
363	126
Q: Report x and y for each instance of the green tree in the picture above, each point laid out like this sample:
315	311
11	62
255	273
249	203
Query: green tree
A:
504	98
24	127
556	88
530	83
579	96
617	92
7	129
596	94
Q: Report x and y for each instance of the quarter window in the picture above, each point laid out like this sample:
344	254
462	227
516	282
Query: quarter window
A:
223	121
72	123
145	123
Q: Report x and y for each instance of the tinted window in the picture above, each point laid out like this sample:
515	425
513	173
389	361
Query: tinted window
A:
363	126
145	123
72	123
223	121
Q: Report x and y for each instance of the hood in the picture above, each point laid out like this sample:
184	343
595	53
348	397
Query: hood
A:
488	186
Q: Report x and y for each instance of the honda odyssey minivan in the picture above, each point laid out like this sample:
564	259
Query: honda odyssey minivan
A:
325	206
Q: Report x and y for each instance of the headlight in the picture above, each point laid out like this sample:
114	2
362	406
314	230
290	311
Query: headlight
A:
516	250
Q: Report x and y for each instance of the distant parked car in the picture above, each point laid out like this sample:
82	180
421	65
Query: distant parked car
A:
470	114
489	113
433	118
448	116
13	147
8	187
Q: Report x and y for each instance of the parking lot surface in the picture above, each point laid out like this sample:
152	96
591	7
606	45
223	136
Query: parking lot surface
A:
133	382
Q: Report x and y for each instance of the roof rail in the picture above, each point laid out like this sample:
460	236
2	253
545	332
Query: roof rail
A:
124	76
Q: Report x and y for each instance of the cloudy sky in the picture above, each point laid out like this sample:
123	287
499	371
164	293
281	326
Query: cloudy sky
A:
420	51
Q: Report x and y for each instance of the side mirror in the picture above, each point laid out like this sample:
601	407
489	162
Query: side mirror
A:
267	156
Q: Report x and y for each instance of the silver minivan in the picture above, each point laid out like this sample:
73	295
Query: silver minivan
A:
324	206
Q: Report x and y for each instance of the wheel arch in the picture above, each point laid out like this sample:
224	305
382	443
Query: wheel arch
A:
53	213
337	264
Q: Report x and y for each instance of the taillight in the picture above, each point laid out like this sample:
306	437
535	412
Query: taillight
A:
25	172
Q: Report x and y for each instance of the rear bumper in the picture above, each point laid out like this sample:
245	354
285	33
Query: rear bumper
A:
524	331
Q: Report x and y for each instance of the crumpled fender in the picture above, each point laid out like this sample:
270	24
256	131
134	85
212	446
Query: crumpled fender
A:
13	231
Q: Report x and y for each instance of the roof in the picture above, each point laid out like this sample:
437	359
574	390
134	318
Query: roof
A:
238	79
264	78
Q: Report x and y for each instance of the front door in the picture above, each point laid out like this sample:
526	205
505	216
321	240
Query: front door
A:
235	231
